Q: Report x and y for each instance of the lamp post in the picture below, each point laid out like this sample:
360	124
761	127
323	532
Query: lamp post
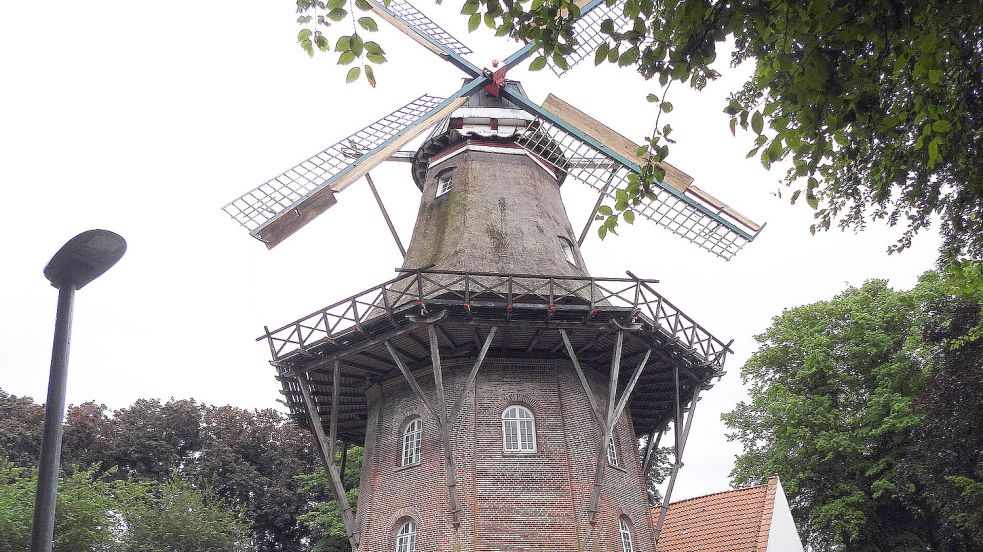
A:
81	260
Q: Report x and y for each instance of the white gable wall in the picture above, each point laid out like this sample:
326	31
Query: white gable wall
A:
782	536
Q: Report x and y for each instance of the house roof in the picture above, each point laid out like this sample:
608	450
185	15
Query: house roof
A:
730	521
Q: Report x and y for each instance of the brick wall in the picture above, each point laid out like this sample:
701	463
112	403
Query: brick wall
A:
510	502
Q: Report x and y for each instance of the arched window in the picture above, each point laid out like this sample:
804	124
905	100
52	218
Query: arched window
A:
612	452
406	537
444	182
412	436
518	429
625	535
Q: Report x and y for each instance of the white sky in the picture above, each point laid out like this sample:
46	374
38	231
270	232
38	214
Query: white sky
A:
145	118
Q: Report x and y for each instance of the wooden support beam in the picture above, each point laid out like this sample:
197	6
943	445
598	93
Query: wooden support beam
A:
651	446
462	396
597	205
583	379
327	458
630	388
445	429
608	425
328	360
680	445
333	427
385	214
447	337
412	381
534	340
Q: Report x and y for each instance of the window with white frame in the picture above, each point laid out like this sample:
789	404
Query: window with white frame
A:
612	452
412	436
518	429
406	537
444	183
625	535
567	247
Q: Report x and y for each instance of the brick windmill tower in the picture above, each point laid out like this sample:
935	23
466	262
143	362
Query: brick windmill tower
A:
499	390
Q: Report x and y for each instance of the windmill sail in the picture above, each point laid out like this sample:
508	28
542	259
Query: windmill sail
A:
587	30
282	205
679	206
411	21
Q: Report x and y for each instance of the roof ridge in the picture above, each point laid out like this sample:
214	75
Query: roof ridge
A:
767	510
671	504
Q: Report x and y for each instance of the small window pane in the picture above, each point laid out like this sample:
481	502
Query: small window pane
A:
567	248
406	538
518	430
444	183
625	535
412	436
612	453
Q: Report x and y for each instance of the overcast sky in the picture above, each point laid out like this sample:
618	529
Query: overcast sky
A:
146	118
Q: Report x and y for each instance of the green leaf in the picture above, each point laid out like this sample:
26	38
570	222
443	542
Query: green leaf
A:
628	57
357	45
605	210
473	22
601	53
560	61
369	75
344	44
353	74
469	8
346	57
733	127
795	196
537	63
666	106
489	20
811	198
337	14
757	122
602	231
373	48
368	24
941	126
377	59
304	34
629	217
621	196
335	4
365	6
651	98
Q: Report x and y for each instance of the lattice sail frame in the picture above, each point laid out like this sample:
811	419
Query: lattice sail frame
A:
260	205
668	209
414	17
587	31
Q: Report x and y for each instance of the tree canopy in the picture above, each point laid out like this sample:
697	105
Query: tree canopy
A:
867	406
874	105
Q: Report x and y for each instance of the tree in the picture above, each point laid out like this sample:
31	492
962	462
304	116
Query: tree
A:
876	104
86	517
851	403
323	516
21	425
181	518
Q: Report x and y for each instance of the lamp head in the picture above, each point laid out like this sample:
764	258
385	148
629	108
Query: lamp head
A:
84	258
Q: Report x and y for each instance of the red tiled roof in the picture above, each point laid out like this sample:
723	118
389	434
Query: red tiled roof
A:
731	521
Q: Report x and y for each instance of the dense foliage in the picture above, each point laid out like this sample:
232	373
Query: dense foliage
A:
867	406
877	104
191	456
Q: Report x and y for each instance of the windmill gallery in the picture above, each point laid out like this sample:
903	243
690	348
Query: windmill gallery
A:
498	389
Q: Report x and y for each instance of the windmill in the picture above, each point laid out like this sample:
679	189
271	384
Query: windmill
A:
543	376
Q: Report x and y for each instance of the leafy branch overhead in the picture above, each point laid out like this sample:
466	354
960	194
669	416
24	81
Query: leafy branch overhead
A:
352	49
872	108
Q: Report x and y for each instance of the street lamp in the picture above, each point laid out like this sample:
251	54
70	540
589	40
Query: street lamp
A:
81	260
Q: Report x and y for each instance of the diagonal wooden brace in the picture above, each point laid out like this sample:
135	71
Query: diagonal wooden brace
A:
326	449
615	407
681	438
439	409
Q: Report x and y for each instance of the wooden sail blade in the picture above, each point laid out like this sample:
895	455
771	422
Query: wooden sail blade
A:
282	205
562	135
415	24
